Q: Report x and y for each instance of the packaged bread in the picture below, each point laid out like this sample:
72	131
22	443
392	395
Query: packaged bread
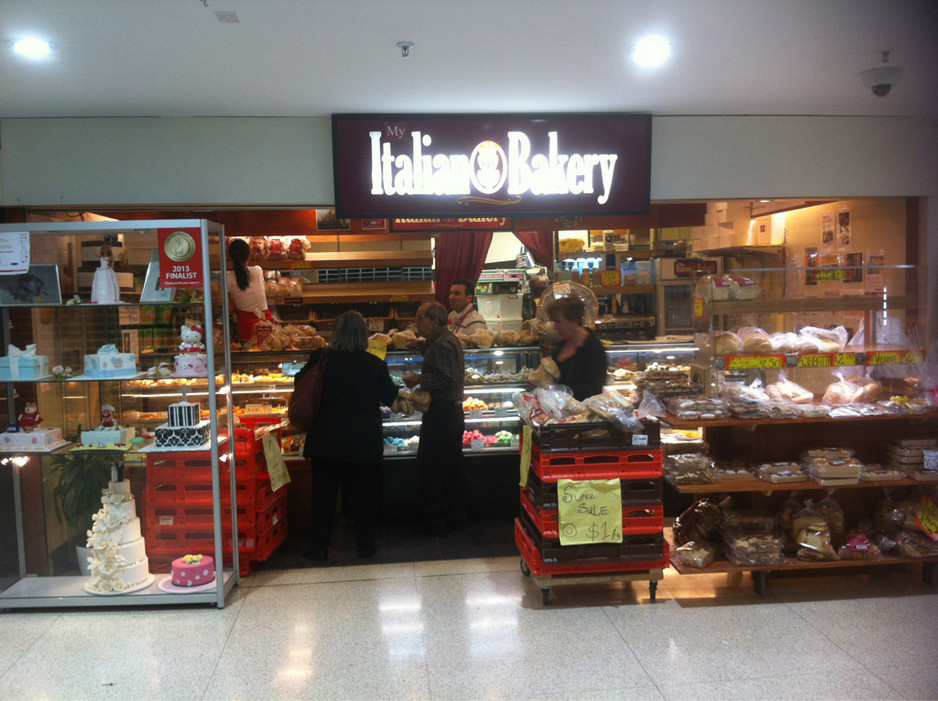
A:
463	339
743	288
858	546
754	340
403	339
698	554
811	534
381	339
842	392
726	343
700	522
507	338
829	340
783	341
786	390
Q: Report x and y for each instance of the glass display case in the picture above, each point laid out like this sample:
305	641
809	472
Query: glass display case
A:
115	392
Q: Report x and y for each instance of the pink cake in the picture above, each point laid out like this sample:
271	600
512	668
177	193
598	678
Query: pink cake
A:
193	570
191	365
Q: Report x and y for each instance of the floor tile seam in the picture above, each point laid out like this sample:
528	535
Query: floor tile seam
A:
32	642
224	646
606	612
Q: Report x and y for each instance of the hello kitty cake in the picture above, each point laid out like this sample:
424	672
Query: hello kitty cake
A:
192	360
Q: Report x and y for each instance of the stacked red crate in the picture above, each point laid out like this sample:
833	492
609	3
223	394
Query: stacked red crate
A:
178	505
537	529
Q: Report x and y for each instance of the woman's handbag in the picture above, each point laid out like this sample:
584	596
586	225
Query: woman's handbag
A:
307	393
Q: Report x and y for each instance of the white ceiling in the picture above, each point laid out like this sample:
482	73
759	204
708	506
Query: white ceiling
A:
315	57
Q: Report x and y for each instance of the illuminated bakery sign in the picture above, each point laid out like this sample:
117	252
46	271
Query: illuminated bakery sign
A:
416	166
452	224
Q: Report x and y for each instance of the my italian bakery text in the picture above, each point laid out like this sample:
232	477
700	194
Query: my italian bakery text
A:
487	170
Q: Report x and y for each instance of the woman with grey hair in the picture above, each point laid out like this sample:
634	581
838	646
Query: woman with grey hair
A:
345	444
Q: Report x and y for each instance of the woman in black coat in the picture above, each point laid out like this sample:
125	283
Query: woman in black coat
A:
580	354
345	445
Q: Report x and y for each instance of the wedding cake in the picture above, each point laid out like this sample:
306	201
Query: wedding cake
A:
118	562
185	429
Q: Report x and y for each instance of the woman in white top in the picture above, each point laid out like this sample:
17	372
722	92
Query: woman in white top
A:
246	288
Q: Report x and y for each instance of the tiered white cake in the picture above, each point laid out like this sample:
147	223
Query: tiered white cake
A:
184	429
118	563
107	362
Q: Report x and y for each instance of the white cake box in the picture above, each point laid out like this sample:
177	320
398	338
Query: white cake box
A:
24	368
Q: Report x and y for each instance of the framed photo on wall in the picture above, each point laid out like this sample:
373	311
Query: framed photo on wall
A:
38	285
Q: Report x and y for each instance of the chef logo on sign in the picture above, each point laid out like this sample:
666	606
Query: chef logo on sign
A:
488	167
179	246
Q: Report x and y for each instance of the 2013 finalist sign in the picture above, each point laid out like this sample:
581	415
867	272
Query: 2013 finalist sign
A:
415	165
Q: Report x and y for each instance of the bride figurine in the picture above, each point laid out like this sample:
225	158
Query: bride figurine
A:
104	287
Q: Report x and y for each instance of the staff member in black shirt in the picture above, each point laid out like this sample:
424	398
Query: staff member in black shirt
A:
439	455
345	445
580	354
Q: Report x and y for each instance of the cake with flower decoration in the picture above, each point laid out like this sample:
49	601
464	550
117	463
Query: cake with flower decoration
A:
118	563
193	570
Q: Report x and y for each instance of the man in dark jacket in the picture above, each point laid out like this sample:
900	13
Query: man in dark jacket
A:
439	455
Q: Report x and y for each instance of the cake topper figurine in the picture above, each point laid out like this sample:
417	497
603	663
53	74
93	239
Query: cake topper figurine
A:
108	418
191	339
104	287
30	419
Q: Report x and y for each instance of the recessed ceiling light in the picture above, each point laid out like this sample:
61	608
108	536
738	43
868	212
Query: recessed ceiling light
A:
32	48
651	51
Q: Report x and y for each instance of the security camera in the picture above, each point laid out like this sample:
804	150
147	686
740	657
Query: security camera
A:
880	80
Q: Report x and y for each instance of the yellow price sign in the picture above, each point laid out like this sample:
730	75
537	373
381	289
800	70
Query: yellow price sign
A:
913	357
300	265
399	298
611	278
755	362
590	511
698	308
883	358
525	454
815	360
927	518
843	359
378	348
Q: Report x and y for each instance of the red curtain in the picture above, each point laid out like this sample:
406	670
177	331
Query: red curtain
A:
540	244
459	254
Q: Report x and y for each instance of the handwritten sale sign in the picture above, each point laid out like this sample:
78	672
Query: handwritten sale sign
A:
590	511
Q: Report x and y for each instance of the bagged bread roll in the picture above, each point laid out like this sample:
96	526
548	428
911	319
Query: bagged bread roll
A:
403	339
482	338
381	338
783	342
464	339
726	343
754	340
786	390
507	338
546	373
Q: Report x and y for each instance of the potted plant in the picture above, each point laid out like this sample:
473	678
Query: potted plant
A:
82	475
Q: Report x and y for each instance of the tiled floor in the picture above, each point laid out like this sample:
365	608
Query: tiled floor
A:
477	629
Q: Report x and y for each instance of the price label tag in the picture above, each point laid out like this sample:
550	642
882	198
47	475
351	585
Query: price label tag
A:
514	443
300	264
399	298
501	412
698	308
751	362
815	360
276	467
640	439
913	357
561	289
883	358
590	511
475	414
390	448
476	444
843	359
611	278
292	300
927	518
525	464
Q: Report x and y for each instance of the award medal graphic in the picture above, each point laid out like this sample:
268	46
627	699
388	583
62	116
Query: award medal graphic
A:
180	258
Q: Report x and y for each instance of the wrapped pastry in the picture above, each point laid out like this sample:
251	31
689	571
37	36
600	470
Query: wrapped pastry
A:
842	392
507	338
811	534
786	390
829	340
783	342
275	248
858	546
697	554
700	522
259	248
403	339
464	339
528	339
421	400
743	287
753	549
381	338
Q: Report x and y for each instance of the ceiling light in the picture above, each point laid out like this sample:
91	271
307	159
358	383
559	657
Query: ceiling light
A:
651	51
32	48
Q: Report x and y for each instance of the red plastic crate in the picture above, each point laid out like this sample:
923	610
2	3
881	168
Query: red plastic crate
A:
182	467
635	492
582	466
536	564
179	540
635	519
261	519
